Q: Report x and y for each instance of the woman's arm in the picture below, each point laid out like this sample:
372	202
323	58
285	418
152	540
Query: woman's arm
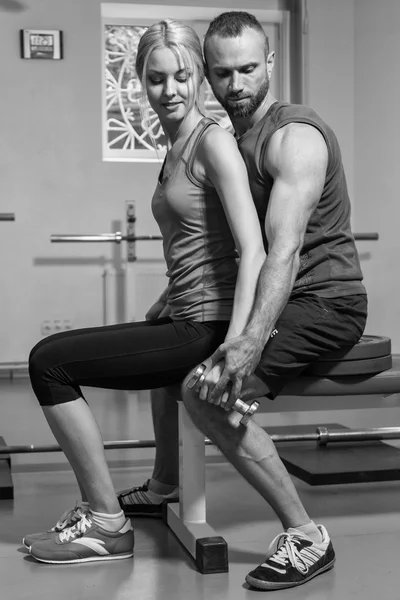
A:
225	169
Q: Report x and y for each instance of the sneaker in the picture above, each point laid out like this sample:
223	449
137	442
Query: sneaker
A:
68	519
141	502
293	559
85	542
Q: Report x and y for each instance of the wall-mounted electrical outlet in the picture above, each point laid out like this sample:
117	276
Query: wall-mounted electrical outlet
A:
49	327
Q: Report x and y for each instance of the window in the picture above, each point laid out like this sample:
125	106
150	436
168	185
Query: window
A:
124	137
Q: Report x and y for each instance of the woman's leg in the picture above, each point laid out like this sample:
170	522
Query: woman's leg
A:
77	432
129	356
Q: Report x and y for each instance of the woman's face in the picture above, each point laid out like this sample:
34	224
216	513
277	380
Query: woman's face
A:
167	85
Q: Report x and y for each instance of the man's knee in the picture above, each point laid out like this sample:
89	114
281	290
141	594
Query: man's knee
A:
207	416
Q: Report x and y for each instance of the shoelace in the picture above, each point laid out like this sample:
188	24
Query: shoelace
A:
76	530
139	488
288	552
68	518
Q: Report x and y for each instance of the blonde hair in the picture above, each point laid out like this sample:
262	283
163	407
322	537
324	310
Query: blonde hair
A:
185	44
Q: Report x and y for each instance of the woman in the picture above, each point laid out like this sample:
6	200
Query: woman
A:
205	212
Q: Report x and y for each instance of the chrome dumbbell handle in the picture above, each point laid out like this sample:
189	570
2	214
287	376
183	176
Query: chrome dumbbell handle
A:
247	410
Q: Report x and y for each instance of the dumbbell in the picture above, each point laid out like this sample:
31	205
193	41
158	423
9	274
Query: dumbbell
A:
247	410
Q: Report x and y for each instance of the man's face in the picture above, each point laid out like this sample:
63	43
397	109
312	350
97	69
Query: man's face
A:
237	72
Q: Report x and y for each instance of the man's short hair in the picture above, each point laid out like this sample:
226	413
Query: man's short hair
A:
232	24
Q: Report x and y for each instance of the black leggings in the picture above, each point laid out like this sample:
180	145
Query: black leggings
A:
129	356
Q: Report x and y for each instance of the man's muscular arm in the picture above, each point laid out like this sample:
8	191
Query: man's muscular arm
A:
297	159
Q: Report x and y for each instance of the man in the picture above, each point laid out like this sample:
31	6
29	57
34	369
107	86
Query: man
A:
309	301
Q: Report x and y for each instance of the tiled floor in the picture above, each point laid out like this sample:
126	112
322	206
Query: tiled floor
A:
363	520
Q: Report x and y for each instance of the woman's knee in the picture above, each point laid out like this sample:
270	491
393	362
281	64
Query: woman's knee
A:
43	371
37	361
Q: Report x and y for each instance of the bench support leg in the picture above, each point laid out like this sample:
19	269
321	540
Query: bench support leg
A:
188	519
6	482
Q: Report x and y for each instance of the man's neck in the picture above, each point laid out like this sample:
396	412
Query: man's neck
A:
243	124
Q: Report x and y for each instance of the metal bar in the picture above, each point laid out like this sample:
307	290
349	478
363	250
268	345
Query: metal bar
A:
142	238
104	237
378	433
7	217
99	237
118	237
322	436
131	230
112	445
366	236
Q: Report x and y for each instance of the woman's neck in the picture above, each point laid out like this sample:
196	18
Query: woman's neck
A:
181	130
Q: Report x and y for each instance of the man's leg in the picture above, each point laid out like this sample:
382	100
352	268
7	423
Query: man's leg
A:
304	550
164	411
252	452
147	499
308	327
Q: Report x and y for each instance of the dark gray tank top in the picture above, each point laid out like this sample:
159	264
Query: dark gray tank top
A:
329	262
198	244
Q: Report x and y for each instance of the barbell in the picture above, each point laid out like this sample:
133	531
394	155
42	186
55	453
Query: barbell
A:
322	436
118	237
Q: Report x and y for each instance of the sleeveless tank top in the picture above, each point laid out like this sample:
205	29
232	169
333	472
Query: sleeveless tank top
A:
329	262
198	245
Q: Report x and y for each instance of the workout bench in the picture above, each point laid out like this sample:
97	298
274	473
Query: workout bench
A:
188	518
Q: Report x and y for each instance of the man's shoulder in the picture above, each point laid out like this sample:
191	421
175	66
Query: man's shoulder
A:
282	112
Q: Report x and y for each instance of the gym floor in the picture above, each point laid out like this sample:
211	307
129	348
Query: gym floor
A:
363	519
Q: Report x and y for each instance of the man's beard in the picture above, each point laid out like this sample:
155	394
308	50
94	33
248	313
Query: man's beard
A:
248	106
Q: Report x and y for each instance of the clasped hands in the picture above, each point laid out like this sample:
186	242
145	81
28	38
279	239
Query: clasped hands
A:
222	380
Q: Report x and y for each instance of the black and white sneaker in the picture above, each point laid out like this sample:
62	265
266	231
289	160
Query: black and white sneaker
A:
293	559
141	502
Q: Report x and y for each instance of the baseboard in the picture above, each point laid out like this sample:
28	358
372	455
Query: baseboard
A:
214	458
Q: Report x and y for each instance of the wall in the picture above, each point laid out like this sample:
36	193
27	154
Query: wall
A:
53	177
377	155
330	73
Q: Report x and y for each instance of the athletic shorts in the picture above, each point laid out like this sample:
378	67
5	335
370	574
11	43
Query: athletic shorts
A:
308	328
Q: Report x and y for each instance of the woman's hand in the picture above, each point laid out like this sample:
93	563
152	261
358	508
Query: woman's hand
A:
158	310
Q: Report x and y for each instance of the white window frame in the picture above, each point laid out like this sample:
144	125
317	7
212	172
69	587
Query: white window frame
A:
127	14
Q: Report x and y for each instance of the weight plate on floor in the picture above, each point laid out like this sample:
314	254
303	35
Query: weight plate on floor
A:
369	346
351	367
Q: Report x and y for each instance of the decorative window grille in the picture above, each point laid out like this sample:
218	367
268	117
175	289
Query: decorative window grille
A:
124	136
124	125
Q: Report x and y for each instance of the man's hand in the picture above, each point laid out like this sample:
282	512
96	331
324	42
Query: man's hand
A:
241	356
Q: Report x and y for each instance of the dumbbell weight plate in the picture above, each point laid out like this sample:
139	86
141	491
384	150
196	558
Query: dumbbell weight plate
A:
369	346
350	367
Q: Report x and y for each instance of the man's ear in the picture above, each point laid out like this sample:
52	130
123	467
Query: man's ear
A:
270	63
